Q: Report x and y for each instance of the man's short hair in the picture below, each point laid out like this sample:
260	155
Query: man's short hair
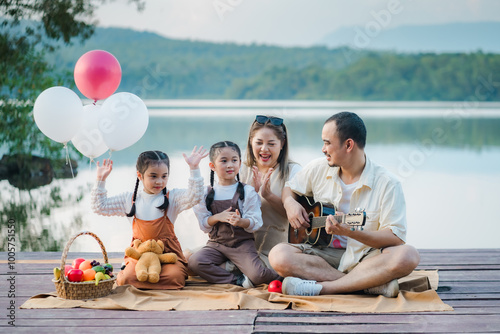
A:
349	125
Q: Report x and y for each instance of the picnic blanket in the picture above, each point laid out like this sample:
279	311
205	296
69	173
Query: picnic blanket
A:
417	294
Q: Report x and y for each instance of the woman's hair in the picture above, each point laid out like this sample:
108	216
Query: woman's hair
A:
214	153
280	132
145	160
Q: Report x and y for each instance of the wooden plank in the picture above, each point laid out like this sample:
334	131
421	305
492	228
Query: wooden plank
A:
469	282
386	323
474	267
164	328
208	317
469	276
459	250
127	318
374	328
469	296
447	260
474	303
468	287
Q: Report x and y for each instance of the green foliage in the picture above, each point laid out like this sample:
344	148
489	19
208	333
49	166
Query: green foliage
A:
382	77
25	73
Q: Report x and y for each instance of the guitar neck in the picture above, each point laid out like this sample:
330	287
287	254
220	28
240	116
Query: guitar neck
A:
319	222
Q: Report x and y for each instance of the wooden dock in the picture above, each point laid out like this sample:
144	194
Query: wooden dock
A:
469	282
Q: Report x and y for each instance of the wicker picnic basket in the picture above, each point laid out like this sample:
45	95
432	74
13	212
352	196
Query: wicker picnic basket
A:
82	290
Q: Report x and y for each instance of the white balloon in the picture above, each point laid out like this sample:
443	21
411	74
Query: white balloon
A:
58	113
89	139
124	120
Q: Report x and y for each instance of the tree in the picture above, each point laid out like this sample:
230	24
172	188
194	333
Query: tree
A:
29	30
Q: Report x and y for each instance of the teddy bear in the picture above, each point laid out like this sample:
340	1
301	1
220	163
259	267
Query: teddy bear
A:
149	256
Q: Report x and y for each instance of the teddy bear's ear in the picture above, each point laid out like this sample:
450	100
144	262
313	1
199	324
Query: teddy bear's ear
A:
137	242
160	243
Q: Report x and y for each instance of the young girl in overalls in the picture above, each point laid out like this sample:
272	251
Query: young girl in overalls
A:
153	211
230	215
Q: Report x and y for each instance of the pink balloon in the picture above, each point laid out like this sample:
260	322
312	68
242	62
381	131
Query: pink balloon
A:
97	74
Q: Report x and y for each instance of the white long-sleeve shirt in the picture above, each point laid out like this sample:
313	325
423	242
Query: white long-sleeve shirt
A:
249	207
146	204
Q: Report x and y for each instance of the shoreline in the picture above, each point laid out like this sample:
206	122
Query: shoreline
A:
320	109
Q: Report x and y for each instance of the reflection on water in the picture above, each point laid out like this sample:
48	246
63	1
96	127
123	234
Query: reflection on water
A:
447	166
28	198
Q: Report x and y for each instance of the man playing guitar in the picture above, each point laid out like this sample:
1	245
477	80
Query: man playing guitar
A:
375	256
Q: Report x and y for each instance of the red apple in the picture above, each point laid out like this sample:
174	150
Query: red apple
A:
67	268
75	275
76	263
274	286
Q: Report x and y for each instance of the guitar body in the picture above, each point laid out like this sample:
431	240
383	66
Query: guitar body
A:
313	236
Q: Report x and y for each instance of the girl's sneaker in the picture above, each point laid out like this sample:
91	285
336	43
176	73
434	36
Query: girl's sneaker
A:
244	281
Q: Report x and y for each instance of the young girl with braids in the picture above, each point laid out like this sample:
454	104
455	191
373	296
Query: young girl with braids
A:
230	215
152	211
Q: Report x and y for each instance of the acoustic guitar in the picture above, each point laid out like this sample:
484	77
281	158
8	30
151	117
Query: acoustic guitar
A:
318	212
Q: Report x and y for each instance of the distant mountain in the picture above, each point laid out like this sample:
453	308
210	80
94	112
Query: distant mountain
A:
453	37
155	67
159	67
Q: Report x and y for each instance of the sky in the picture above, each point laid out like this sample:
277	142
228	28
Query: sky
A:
285	22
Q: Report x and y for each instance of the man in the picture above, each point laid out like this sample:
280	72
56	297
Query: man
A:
374	257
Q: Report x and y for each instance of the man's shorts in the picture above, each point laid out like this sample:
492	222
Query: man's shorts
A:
331	255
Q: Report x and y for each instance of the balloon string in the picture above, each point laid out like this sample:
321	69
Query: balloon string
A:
68	160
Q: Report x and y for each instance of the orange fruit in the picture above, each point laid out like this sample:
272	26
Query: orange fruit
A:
88	274
85	265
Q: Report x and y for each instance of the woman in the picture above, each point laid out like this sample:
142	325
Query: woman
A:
267	168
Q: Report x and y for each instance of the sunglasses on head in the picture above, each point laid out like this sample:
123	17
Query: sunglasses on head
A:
261	119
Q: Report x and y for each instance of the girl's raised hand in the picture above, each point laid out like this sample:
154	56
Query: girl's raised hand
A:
196	155
104	170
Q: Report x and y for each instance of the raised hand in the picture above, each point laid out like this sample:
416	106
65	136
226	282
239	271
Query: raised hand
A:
262	182
104	170
257	178
196	155
266	184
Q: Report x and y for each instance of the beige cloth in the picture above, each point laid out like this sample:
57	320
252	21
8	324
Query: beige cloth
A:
198	295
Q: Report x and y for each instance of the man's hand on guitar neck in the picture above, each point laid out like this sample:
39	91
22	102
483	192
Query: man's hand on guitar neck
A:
297	215
332	226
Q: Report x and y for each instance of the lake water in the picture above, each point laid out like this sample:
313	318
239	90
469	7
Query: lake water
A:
447	156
